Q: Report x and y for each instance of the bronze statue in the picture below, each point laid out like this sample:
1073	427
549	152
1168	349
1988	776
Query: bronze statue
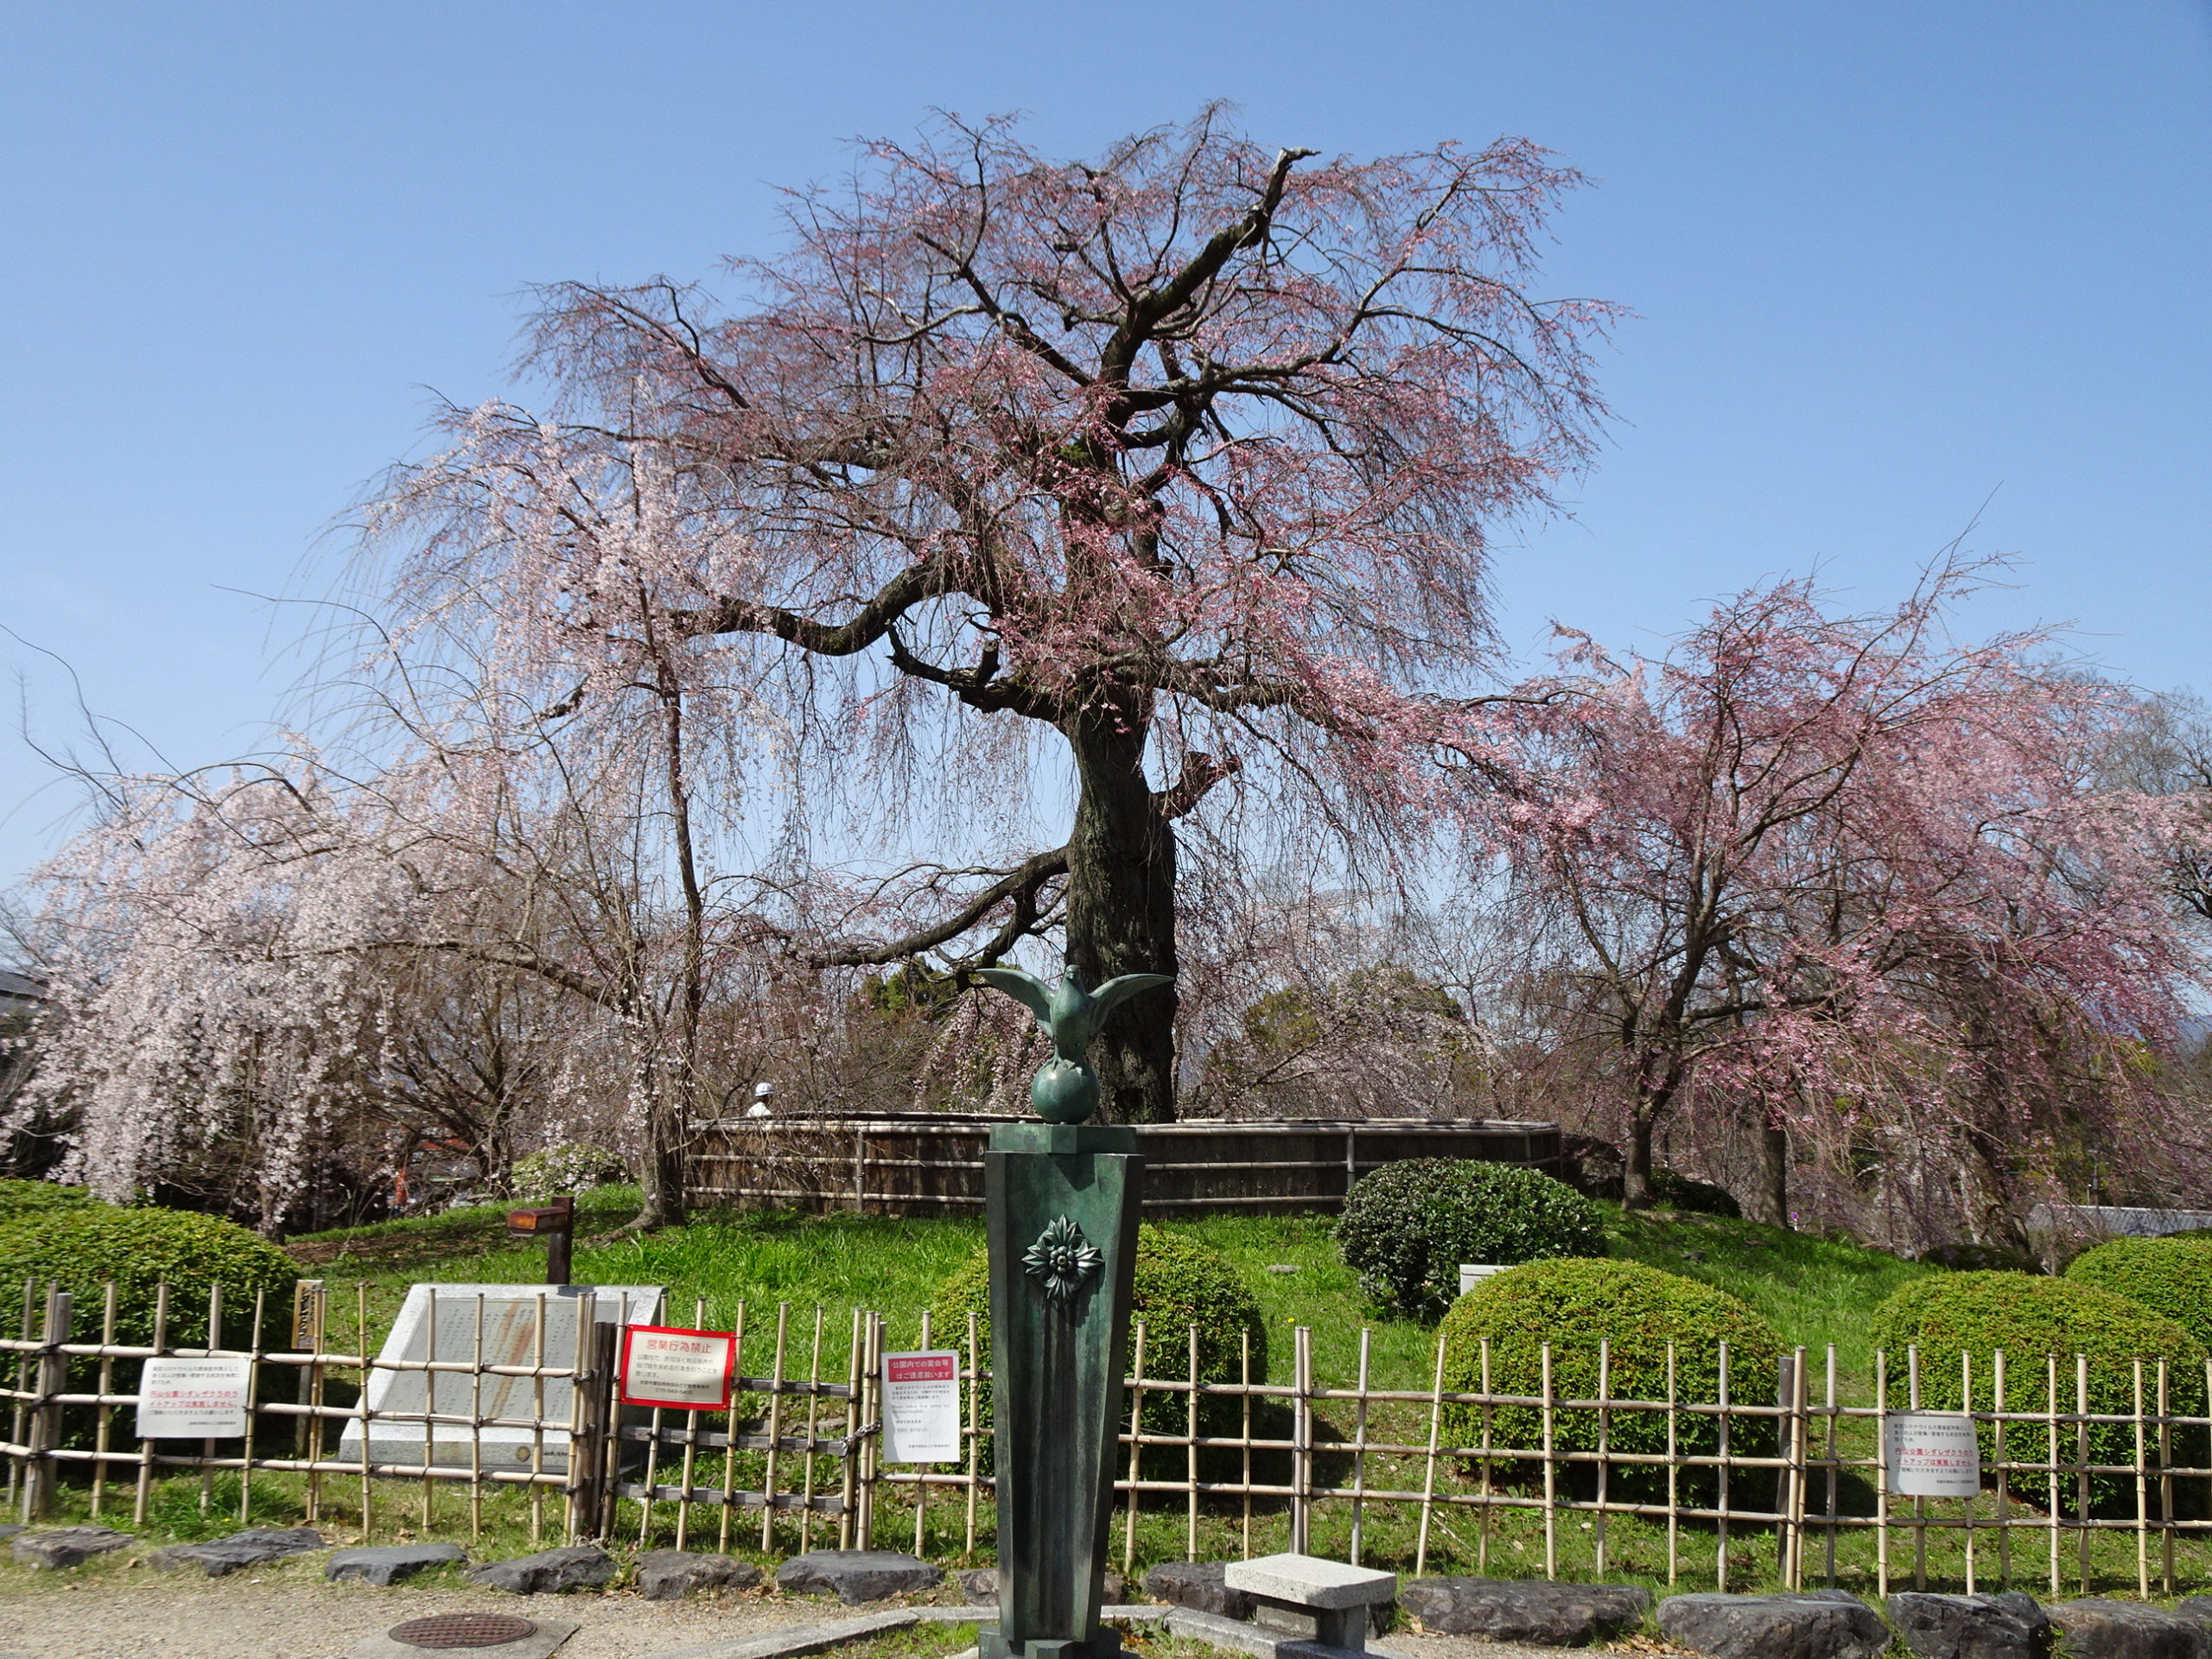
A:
1065	1088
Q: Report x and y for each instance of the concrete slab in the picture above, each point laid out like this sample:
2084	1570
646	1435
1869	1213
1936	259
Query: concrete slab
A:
1240	1637
548	1637
1309	1582
806	1638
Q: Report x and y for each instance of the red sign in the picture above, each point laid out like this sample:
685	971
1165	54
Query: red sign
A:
685	1371
923	1367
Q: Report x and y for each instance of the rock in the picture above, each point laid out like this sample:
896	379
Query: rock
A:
1803	1625
672	1574
68	1545
2009	1626
857	1575
387	1564
2127	1630
1282	1267
548	1571
1198	1585
248	1548
1510	1610
2196	1607
11	1529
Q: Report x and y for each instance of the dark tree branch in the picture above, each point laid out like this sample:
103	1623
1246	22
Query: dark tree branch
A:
1019	884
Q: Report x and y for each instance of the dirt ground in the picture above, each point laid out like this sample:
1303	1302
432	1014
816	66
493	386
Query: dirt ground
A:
289	1612
281	1615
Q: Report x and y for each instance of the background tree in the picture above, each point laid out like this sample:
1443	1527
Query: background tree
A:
1853	872
1186	456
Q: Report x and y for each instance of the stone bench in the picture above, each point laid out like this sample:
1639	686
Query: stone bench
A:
1309	1600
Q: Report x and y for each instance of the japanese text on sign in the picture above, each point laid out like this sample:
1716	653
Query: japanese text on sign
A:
193	1399
687	1369
1932	1454
921	1407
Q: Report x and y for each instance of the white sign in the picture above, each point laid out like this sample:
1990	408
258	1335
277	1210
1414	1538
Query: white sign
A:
1932	1454
689	1369
193	1399
921	1407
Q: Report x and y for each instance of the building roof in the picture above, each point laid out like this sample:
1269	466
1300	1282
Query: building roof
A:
17	988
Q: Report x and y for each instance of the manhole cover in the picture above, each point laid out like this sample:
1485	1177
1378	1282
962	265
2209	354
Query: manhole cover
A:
463	1631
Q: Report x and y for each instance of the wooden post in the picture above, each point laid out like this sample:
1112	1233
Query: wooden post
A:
1302	1433
50	1380
849	1513
1428	1477
1784	1395
555	1223
593	1446
1551	1470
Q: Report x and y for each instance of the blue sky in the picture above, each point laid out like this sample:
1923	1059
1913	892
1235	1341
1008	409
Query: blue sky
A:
1895	266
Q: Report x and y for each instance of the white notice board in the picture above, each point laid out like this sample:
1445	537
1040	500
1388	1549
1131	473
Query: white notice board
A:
687	1369
921	1407
193	1399
1932	1454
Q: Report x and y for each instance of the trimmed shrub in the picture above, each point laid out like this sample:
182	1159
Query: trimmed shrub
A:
83	1247
37	1198
573	1167
1573	1304
2169	1276
2031	1320
1408	1226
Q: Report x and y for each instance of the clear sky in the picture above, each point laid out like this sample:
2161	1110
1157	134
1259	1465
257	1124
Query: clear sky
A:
1895	266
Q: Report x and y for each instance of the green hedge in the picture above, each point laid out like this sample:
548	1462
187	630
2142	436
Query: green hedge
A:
83	1248
2169	1276
2031	1320
1408	1226
1575	1304
38	1198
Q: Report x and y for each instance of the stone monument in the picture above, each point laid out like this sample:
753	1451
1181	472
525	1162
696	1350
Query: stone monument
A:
446	1323
1061	1213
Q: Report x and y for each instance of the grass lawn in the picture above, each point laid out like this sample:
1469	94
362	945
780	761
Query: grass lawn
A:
1817	1291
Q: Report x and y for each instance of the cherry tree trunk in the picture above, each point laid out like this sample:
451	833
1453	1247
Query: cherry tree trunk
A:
1121	899
1636	1165
1644	1112
661	1177
1772	1201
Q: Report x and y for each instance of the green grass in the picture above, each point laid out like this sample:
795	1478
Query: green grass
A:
1814	1290
926	1640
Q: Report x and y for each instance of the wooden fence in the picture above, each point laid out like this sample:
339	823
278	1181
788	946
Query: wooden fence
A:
1757	1473
931	1163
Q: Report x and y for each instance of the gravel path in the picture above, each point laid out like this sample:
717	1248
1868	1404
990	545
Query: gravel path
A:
289	1612
283	1615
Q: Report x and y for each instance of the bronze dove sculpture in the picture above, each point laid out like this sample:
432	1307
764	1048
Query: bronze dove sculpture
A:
1065	1088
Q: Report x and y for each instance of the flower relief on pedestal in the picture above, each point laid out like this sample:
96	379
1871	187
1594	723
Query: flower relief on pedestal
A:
1062	1262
